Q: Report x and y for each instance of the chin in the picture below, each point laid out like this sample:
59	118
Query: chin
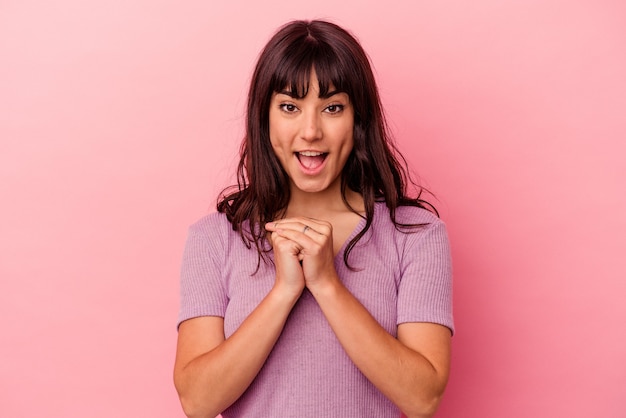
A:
311	188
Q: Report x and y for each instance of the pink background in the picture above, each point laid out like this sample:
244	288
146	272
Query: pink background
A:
120	120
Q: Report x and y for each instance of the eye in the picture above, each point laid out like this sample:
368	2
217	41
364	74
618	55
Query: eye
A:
288	107
334	108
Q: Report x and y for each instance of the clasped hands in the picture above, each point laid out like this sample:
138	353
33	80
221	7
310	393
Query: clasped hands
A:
303	251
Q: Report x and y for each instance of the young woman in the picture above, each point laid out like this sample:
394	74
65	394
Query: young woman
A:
320	288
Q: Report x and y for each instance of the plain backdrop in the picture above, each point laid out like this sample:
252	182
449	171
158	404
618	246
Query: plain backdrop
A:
120	121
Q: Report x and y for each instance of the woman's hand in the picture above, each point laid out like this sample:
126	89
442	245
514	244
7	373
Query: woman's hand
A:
304	245
289	274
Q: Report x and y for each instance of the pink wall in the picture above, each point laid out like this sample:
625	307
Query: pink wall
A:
119	121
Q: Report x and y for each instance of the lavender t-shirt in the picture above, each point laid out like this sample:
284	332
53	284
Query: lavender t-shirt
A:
399	277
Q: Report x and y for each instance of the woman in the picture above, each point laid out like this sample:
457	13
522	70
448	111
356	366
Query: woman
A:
319	288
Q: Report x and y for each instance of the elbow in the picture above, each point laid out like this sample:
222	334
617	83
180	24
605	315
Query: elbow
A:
193	409
424	407
194	405
424	410
190	410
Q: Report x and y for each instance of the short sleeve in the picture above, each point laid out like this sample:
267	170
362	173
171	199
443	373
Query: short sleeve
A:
425	289
202	289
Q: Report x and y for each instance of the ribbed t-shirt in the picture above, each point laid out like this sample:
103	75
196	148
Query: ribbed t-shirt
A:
398	275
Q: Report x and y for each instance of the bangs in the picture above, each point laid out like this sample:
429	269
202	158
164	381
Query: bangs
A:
293	73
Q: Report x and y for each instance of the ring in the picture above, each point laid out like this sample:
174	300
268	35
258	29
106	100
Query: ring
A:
306	228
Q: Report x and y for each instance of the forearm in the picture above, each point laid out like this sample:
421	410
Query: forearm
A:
404	375
212	381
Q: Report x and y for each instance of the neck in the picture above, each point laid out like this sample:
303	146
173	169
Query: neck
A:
321	204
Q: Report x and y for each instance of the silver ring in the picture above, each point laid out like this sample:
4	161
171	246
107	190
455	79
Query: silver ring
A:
306	228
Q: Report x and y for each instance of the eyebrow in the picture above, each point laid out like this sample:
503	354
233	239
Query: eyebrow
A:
293	95
331	94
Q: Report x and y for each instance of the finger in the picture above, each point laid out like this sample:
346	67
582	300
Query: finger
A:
284	245
302	239
307	226
286	224
314	246
318	225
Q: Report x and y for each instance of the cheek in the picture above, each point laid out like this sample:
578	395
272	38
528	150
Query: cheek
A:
274	138
278	132
278	146
274	126
349	135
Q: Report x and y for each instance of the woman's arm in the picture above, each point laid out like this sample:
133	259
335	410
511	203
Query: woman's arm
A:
210	372
411	370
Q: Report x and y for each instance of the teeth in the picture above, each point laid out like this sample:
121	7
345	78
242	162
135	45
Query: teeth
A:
310	153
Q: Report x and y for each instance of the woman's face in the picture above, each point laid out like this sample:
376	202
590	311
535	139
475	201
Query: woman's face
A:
312	137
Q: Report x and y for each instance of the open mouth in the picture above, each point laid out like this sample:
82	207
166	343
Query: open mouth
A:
311	160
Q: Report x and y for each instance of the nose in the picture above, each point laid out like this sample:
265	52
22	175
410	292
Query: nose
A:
310	129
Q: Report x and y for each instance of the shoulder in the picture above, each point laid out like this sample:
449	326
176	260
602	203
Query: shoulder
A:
405	215
212	231
416	215
211	224
414	227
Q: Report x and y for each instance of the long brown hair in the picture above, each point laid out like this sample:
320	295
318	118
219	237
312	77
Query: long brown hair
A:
375	167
